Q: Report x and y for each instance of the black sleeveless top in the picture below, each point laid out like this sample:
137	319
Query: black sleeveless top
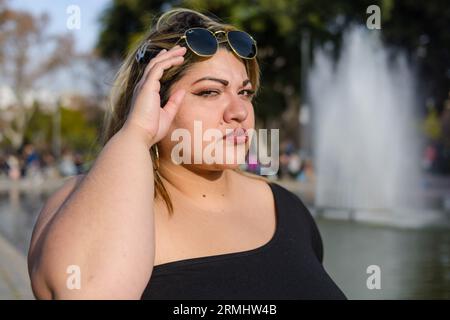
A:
289	266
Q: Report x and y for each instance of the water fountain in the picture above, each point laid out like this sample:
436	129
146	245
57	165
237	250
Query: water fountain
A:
366	138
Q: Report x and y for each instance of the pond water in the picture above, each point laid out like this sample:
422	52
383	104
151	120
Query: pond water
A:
414	264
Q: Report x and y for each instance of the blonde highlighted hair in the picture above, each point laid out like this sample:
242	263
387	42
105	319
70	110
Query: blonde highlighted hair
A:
163	34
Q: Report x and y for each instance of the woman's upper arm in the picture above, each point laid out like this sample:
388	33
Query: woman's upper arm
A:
46	214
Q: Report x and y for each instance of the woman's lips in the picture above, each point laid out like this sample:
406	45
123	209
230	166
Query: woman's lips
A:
237	136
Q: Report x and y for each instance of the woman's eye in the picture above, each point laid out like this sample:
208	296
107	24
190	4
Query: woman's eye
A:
211	93
207	93
249	93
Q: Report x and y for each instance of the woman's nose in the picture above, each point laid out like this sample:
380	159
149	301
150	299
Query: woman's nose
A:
236	110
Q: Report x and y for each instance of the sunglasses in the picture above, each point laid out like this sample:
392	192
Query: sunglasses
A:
204	43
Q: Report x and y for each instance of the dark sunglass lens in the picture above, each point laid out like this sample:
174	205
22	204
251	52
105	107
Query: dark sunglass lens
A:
201	41
242	43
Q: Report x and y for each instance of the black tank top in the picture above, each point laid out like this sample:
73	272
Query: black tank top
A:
289	266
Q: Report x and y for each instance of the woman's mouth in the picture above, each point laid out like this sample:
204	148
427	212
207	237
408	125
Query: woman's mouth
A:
236	136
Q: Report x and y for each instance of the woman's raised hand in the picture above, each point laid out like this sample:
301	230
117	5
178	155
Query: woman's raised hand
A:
146	117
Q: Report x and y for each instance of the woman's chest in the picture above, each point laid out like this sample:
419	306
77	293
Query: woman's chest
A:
191	234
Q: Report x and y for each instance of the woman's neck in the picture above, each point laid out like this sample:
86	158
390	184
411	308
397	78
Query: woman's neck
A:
206	188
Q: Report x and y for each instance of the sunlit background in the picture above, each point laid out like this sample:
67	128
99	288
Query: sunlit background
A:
360	91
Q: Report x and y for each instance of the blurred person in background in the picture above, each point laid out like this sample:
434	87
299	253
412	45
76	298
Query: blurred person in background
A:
67	166
31	158
49	166
4	167
13	163
294	165
79	163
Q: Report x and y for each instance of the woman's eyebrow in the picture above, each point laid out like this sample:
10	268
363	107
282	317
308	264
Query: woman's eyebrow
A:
222	81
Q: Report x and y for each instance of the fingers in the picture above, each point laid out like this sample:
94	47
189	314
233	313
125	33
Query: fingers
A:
163	55
173	105
149	65
157	72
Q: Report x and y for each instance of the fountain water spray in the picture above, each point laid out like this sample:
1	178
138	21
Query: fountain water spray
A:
366	138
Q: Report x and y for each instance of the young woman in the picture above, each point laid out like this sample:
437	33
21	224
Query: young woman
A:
139	225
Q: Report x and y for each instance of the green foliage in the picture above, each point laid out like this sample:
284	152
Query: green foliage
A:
77	133
39	129
121	22
432	125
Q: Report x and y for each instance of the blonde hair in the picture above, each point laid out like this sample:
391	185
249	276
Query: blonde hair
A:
162	35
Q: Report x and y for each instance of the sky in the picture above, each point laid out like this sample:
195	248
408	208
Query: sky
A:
90	10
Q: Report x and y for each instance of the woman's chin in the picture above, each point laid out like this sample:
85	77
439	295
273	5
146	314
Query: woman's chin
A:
231	166
215	166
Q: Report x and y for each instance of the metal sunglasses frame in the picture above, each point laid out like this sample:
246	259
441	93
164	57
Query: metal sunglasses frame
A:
214	34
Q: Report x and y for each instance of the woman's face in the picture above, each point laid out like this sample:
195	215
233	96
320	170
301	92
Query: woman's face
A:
218	96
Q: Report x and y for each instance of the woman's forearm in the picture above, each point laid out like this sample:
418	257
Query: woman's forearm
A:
105	227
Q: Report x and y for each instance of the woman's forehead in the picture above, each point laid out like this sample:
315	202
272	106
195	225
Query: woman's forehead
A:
223	65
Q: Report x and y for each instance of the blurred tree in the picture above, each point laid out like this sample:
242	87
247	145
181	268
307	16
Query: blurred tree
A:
122	21
77	133
421	27
78	130
23	40
39	128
